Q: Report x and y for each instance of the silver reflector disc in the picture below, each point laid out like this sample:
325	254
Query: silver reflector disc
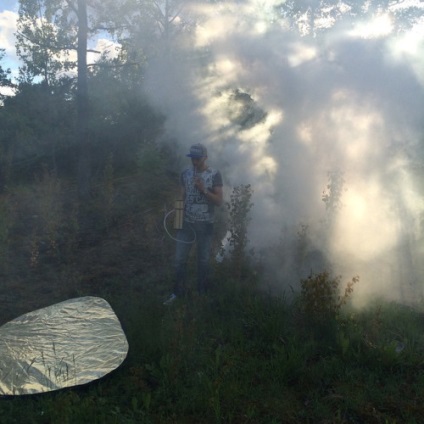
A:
64	345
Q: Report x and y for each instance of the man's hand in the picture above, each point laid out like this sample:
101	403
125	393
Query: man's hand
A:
198	183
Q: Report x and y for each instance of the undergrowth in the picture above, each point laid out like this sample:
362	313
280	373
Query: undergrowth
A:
248	358
237	355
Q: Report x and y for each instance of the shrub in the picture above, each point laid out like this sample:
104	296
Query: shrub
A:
320	295
238	222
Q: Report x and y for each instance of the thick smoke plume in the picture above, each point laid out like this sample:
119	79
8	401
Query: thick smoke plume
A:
327	130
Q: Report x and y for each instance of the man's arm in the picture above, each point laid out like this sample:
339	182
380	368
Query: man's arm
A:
215	195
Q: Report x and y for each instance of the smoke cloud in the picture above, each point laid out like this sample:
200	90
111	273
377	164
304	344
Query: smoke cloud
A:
331	140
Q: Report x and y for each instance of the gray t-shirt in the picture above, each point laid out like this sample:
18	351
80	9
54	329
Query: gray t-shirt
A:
196	205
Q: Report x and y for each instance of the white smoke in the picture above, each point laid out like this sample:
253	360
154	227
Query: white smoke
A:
347	100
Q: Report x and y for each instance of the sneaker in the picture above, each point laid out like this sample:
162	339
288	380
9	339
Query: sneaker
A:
170	299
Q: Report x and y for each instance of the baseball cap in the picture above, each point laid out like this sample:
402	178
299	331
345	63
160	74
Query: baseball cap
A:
198	151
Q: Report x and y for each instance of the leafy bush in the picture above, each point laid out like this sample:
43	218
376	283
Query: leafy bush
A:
321	298
238	222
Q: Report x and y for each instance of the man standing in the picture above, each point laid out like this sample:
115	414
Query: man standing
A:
201	190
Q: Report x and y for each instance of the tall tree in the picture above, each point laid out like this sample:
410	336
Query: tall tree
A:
4	76
46	38
82	102
310	17
145	28
49	34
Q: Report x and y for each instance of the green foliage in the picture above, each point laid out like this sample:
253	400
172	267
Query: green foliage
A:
48	192
122	120
238	223
321	298
108	191
6	224
332	195
46	35
303	15
235	356
229	359
37	128
243	110
4	75
302	244
154	164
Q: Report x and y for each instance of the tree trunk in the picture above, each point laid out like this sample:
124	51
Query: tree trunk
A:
84	165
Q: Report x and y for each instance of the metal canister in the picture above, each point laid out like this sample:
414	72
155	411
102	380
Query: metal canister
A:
179	214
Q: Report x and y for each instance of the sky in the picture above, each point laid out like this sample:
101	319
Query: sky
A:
11	5
343	115
8	16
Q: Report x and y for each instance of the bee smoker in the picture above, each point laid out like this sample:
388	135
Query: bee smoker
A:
179	214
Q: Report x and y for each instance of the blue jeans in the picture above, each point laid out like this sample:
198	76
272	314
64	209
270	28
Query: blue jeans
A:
202	233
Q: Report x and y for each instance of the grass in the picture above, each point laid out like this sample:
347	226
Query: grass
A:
246	359
238	355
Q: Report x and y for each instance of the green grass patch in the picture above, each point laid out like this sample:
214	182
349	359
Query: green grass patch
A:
250	358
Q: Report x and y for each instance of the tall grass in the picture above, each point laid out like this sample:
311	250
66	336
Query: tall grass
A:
248	359
237	355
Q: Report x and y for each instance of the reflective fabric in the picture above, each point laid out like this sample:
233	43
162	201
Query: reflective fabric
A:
66	344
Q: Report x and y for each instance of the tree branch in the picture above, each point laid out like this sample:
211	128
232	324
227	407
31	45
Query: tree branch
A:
117	65
72	6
